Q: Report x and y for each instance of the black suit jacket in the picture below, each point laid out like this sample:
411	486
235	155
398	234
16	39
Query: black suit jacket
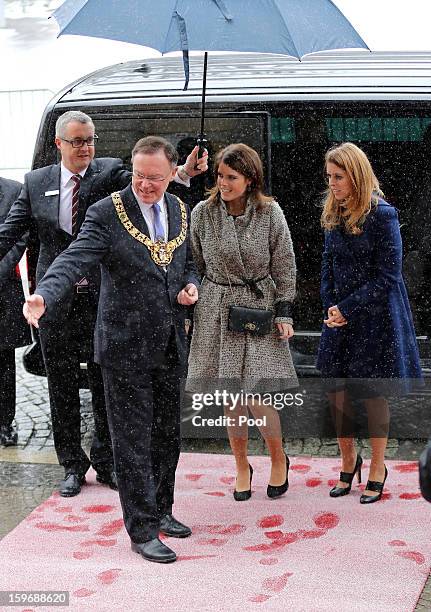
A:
14	330
138	299
37	210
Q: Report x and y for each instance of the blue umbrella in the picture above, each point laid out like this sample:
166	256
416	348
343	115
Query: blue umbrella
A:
289	27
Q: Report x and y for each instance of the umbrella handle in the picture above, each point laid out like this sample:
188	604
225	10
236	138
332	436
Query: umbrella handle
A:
202	143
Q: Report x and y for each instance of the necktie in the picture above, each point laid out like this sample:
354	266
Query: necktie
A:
76	178
159	232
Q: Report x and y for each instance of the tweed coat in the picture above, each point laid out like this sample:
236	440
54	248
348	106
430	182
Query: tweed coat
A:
14	330
362	275
256	245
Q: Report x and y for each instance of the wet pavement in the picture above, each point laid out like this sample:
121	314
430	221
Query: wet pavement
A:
23	486
29	472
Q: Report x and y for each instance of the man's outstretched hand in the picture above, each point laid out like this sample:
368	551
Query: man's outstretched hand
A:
33	309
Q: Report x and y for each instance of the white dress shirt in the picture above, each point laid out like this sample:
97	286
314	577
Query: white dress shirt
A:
148	214
66	188
65	208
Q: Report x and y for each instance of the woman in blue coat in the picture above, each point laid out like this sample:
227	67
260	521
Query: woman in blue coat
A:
368	340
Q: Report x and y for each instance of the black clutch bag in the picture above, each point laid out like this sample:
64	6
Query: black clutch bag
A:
252	320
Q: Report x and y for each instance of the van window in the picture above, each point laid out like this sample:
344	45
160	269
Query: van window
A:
120	135
282	129
375	129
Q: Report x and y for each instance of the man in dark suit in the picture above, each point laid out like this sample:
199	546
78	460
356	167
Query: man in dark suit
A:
55	199
140	238
14	331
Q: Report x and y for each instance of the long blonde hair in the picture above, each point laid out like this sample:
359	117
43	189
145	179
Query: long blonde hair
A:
366	190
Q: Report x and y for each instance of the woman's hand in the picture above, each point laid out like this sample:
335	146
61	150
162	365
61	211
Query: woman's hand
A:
285	331
335	318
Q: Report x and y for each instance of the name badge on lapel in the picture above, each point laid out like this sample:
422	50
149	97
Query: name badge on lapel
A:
53	192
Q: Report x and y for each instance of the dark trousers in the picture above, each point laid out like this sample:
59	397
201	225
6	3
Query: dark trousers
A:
64	345
144	416
7	386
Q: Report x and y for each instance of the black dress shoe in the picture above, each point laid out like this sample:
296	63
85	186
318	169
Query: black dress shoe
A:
8	435
277	490
154	550
108	478
171	527
71	484
244	495
374	485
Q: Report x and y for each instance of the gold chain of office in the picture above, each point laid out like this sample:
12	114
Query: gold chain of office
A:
161	252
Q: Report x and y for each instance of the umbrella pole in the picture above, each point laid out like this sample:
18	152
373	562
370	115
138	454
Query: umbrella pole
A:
201	140
204	88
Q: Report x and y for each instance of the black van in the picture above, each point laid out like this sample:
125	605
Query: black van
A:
291	112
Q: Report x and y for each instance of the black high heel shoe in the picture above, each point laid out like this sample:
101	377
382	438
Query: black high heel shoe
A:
347	477
275	491
374	485
244	495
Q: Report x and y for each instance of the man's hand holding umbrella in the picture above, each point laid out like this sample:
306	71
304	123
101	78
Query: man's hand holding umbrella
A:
195	165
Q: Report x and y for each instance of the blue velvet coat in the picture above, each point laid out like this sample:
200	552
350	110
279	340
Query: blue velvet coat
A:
362	275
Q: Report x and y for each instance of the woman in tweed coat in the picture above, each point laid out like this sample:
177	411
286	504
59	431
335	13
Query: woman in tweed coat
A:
242	246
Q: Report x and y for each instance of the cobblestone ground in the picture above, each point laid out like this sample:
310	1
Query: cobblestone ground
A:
29	473
23	486
32	411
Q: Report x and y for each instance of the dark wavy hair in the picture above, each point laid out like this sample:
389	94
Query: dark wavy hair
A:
246	161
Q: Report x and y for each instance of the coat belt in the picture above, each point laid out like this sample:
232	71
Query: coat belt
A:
246	282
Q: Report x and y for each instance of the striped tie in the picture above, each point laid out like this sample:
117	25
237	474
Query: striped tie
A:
76	178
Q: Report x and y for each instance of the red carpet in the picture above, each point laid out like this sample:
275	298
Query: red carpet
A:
303	552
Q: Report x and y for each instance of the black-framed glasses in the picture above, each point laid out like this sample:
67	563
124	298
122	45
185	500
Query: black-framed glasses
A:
80	142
